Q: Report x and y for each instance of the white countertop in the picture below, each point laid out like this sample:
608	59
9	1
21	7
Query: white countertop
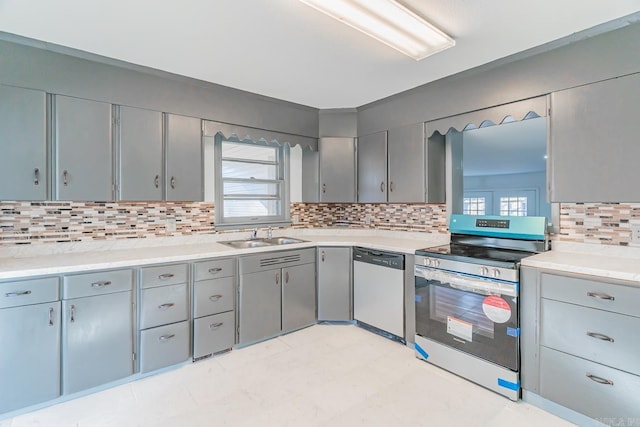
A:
46	259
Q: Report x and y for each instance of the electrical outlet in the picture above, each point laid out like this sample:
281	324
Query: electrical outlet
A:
635	233
367	219
171	225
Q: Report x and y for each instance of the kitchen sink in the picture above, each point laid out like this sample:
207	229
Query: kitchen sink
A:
257	243
283	240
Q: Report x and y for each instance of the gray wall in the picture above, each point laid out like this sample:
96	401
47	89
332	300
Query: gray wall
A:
55	69
586	61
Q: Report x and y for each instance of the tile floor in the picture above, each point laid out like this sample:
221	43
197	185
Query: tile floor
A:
325	375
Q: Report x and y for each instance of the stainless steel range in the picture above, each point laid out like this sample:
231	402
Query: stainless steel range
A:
466	298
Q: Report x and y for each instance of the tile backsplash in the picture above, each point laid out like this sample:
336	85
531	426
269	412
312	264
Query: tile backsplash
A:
598	223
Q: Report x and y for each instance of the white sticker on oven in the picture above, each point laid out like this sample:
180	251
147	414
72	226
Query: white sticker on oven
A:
496	309
460	328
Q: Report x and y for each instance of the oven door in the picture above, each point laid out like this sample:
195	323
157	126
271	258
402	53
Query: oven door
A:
472	314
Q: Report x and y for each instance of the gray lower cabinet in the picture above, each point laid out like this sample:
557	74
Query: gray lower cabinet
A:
82	149
277	293
337	170
30	340
372	168
184	159
23	138
593	147
97	329
335	289
164	316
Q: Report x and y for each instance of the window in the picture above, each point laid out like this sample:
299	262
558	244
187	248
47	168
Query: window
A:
251	183
474	206
514	206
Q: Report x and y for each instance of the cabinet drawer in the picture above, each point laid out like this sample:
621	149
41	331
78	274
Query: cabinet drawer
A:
166	304
215	269
591	293
564	380
212	334
164	346
26	292
163	275
90	284
213	296
597	335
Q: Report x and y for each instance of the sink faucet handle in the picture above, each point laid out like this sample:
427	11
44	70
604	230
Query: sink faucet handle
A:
254	233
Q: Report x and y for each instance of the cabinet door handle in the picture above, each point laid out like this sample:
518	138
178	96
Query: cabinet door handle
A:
164	307
215	298
216	325
324	188
156	181
167	337
65	178
391	186
50	316
277	278
73	313
322	256
173	182
600	296
599	336
382	187
286	277
101	284
36	177
165	276
599	380
17	294
215	270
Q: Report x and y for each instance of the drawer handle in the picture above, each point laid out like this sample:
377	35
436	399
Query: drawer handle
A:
164	338
166	306
165	276
17	294
215	298
600	296
215	270
101	284
599	336
599	380
216	325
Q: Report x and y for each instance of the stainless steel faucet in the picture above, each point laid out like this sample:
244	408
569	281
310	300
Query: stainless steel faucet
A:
254	233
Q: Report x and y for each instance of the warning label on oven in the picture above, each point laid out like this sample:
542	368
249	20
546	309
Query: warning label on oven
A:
496	309
460	328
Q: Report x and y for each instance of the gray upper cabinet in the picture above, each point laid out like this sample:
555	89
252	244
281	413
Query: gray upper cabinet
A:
337	170
407	180
593	147
23	164
83	155
372	168
184	177
140	154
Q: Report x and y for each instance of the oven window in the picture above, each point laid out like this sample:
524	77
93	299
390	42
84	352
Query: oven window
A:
461	305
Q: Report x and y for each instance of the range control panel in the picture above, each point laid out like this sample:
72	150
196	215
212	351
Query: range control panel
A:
492	223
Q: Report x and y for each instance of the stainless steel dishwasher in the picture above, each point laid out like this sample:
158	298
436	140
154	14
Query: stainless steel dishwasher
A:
378	291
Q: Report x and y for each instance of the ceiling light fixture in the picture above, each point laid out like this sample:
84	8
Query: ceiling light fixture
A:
388	22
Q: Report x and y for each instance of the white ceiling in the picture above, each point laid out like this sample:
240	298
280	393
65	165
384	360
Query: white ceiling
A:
287	50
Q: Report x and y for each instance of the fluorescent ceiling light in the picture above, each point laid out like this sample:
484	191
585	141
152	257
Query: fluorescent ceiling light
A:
388	22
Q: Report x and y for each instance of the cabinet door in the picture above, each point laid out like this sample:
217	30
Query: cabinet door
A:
23	163
298	297
337	170
372	168
97	340
334	284
83	150
30	355
407	179
140	154
184	180
260	305
593	148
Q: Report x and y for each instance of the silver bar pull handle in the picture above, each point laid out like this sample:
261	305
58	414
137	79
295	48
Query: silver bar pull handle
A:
165	276
324	188
323	256
599	380
17	294
50	316
215	298
167	337
73	313
36	177
216	325
599	336
156	181
101	284
215	270
286	277
600	296
382	187
173	182
167	306
65	178
277	278
391	186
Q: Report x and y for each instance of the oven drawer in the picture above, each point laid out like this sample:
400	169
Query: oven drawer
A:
597	335
591	293
564	380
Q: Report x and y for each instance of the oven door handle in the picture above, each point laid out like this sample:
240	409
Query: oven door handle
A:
478	286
